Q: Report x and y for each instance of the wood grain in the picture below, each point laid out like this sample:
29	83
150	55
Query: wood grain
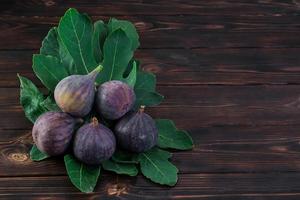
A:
187	60
155	7
196	186
229	71
188	67
170	31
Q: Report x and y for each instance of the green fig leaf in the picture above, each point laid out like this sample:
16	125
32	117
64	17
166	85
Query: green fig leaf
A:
155	166
145	90
144	97
82	176
131	78
161	153
121	156
36	154
31	99
50	45
49	70
120	168
117	54
66	59
99	36
50	104
170	137
145	81
128	28
129	67
76	32
53	46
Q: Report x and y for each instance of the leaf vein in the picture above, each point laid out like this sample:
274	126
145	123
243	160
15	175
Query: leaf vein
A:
114	58
154	165
79	45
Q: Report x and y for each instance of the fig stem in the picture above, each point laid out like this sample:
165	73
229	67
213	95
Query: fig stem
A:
95	121
142	108
95	72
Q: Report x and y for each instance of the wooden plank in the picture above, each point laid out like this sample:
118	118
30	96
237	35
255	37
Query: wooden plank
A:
188	67
195	186
170	78
155	7
264	149
187	60
170	31
251	129
199	106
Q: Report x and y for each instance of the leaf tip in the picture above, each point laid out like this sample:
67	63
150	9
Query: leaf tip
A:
71	10
20	79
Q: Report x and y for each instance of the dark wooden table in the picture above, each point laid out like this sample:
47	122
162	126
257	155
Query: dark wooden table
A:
230	72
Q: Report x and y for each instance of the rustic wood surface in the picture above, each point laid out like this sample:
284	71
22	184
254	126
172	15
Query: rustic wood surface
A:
230	72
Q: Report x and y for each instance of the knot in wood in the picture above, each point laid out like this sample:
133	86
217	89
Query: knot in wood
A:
49	3
18	157
116	189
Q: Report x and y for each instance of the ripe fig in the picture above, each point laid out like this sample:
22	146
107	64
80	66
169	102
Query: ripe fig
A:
114	99
75	94
94	143
136	131
52	132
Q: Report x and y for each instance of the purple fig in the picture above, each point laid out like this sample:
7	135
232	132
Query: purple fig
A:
94	143
114	99
52	132
75	94
136	131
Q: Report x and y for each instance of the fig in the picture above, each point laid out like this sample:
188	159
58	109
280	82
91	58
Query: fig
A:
75	94
52	132
114	99
136	131
94	143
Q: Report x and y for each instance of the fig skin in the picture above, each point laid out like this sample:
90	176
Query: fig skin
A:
75	94
94	143
114	99
136	132
52	132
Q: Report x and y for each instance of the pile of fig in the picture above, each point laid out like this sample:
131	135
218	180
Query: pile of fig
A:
80	127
